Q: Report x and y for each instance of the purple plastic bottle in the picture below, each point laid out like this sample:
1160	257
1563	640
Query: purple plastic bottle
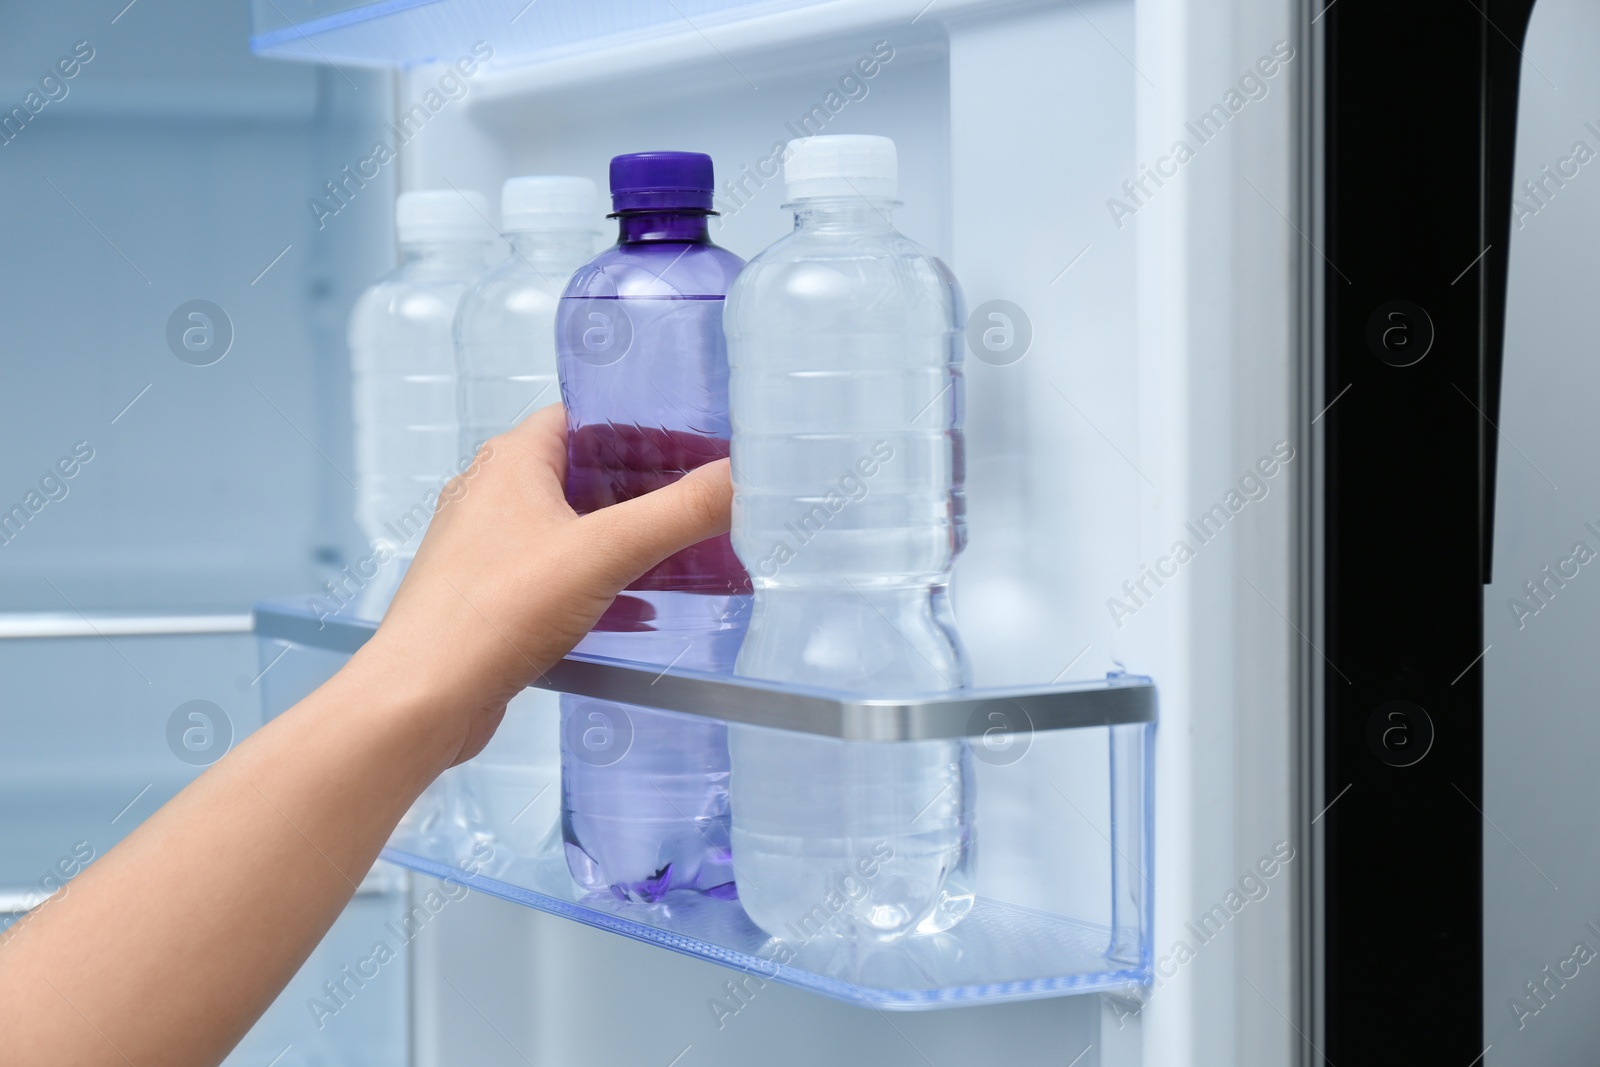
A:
644	375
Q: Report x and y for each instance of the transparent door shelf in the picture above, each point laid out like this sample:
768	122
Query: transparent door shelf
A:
1063	779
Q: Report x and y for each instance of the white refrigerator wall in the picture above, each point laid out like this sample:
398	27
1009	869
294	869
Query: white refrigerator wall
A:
1217	255
1158	377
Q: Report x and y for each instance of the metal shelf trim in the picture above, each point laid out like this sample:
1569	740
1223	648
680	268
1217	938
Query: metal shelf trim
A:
1115	701
54	624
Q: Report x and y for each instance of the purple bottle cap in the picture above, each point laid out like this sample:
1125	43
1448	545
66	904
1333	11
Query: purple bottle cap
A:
661	181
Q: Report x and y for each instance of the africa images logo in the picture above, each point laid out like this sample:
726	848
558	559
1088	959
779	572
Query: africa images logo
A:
1252	85
453	84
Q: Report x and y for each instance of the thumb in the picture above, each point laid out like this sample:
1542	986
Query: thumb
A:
629	538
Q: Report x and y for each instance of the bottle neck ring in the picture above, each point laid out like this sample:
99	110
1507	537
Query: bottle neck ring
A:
853	212
647	226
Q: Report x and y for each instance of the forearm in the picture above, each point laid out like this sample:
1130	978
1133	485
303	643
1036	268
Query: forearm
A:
169	947
174	942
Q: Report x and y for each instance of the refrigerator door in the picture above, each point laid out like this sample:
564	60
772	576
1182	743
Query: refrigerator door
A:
1408	311
1117	178
1541	618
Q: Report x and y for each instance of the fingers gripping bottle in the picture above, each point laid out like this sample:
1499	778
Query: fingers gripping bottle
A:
846	395
404	390
505	339
644	375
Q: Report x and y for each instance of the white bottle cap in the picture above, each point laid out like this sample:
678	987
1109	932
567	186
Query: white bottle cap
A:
442	215
842	165
550	202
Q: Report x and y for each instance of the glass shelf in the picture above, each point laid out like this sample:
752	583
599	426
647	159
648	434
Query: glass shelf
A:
1118	699
404	33
1063	819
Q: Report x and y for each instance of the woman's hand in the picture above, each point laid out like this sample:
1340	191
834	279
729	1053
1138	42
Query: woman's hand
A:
168	948
509	577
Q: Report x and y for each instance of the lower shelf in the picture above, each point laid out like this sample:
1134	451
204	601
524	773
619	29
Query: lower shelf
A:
999	952
962	966
1057	853
480	828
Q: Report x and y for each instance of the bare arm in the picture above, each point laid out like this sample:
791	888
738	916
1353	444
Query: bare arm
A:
168	949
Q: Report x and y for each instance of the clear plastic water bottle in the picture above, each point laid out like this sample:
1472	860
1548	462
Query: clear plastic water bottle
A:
511	791
404	391
505	328
846	392
644	375
505	337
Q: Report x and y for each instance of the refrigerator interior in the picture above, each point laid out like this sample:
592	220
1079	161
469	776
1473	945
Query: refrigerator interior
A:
1062	443
170	168
1156	379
